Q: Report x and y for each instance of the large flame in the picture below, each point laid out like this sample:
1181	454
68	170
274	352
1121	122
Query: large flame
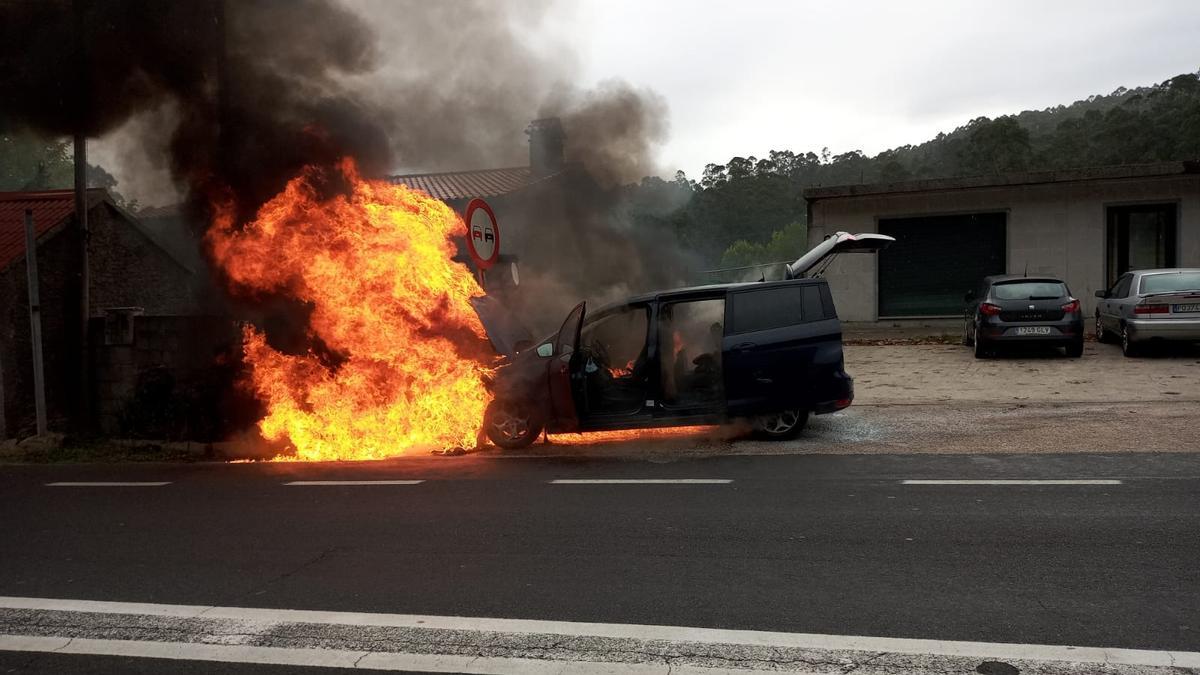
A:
405	353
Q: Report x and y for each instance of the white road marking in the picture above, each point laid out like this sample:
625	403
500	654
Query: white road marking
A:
262	621
338	658
109	484
641	481
354	482
1088	481
267	619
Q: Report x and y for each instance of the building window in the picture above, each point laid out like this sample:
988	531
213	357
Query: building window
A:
1140	237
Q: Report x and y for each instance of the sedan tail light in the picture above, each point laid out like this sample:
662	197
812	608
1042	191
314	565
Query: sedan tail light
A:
1071	307
988	309
1151	309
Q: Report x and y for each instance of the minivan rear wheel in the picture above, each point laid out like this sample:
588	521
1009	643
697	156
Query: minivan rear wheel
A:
781	425
511	425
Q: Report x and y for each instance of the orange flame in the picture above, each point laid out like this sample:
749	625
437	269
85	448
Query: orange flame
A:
387	300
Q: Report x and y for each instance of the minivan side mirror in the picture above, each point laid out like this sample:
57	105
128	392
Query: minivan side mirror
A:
546	349
1101	294
970	295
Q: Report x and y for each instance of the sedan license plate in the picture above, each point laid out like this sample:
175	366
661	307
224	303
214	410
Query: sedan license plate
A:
1180	309
1033	330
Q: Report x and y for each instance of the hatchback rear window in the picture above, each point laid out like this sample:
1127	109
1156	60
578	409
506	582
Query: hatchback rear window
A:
1171	282
1022	290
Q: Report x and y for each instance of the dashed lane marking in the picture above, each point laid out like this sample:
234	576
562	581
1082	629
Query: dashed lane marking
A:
641	481
109	484
318	483
1087	481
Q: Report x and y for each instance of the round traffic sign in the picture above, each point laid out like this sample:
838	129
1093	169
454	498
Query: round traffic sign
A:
483	234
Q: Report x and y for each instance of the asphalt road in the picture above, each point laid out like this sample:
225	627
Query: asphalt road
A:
812	544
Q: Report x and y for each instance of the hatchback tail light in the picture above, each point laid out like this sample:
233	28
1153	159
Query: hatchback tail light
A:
1071	307
1151	309
988	309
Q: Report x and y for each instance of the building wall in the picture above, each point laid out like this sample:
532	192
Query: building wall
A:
127	269
1055	229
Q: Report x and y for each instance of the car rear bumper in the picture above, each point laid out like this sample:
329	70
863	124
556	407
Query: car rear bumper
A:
1164	329
844	396
1059	332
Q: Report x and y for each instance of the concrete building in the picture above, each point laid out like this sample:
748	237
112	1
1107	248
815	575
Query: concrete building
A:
1086	226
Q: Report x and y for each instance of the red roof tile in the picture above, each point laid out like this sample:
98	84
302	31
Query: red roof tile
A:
50	207
468	184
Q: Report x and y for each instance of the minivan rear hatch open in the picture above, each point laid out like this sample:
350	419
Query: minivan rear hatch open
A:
813	263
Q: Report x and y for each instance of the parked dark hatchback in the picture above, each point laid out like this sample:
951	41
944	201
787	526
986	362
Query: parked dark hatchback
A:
769	352
1012	310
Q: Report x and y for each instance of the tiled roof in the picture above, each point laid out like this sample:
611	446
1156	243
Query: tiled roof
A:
468	184
50	207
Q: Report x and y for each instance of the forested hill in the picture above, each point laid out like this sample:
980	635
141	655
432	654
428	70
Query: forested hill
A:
751	198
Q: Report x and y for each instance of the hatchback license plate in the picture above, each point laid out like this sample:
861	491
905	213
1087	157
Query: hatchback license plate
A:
1033	330
1180	309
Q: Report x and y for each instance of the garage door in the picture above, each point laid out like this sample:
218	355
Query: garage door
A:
935	260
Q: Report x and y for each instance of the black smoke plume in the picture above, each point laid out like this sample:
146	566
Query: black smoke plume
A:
233	98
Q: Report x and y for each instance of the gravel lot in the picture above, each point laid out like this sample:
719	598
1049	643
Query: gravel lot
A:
913	374
940	399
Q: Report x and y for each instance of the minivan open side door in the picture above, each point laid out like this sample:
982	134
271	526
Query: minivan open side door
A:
566	343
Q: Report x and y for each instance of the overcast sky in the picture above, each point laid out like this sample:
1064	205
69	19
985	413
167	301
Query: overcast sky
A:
749	76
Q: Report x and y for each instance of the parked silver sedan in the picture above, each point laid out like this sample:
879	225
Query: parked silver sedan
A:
1146	305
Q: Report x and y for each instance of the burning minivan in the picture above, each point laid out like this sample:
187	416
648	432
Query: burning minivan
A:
768	352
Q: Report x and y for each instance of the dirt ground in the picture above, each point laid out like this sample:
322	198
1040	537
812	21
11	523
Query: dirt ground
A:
940	399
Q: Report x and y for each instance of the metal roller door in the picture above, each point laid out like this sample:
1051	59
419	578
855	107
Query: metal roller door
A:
935	260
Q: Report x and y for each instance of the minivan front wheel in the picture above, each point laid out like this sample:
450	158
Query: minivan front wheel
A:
781	425
511	425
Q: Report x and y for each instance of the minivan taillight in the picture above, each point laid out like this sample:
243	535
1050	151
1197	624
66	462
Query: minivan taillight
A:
1071	307
988	309
1151	309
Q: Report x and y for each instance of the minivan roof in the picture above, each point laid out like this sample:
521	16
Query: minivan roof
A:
689	290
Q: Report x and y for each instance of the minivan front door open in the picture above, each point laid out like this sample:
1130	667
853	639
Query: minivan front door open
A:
561	366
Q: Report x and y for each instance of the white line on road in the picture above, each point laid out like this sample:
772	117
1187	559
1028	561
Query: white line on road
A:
641	481
1088	481
109	484
256	621
354	482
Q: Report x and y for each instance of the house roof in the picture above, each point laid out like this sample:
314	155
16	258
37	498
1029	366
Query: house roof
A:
1157	169
467	184
50	208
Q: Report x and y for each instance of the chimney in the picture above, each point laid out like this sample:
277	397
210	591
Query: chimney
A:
545	146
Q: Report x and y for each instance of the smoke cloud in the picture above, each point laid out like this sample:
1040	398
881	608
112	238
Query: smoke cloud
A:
232	99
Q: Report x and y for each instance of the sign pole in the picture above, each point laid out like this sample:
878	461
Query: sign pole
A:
35	323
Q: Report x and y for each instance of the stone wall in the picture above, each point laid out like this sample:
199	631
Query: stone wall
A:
127	269
164	377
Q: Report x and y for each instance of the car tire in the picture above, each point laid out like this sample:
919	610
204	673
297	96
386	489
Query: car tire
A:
1128	346
1075	349
780	426
968	339
982	351
1101	334
511	426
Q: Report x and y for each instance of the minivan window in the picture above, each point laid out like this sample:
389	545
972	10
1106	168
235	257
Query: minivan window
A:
767	308
1171	282
1022	290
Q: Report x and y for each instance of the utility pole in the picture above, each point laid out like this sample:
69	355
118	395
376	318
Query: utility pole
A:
82	398
35	323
